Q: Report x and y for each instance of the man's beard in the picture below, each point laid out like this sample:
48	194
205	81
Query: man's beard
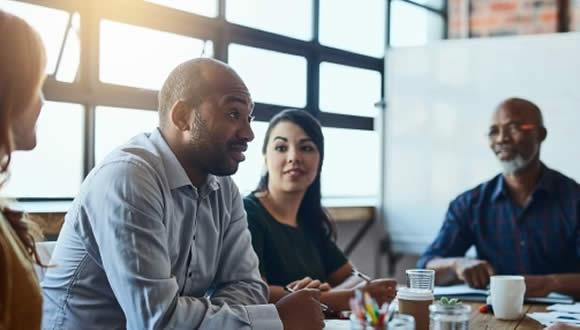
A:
514	165
209	155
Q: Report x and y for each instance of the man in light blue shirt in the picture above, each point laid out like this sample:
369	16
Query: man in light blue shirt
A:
157	237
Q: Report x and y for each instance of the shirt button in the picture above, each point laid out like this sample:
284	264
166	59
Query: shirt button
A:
522	243
189	274
194	237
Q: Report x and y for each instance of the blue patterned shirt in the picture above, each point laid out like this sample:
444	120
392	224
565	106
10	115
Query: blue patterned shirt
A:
541	238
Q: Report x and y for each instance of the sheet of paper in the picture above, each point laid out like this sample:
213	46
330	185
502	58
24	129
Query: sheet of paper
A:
337	325
460	289
553	317
575	308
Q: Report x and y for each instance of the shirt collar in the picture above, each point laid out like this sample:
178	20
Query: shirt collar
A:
176	176
499	190
545	184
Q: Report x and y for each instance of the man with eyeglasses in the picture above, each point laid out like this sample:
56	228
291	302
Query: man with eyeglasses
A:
524	221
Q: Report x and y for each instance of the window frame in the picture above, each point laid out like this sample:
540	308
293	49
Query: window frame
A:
90	92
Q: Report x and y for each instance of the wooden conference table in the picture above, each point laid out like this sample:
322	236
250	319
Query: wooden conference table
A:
478	320
487	321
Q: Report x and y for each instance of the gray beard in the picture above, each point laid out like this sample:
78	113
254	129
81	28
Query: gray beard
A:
514	165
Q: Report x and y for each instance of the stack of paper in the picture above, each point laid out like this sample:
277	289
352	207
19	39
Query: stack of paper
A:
569	314
465	293
573	309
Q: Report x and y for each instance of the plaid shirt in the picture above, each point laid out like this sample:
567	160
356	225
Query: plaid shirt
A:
541	238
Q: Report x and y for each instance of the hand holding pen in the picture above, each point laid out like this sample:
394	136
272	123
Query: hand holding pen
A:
382	290
322	306
358	274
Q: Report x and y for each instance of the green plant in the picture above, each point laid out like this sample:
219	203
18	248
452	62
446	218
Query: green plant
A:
449	302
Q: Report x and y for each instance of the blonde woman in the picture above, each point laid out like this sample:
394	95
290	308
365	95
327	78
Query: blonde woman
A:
22	63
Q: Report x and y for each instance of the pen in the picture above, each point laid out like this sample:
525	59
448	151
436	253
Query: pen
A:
322	306
361	275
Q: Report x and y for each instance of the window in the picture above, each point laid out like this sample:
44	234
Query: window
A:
290	18
201	7
273	45
51	24
351	163
351	26
69	63
349	90
55	167
131	55
271	77
115	126
435	4
412	25
250	170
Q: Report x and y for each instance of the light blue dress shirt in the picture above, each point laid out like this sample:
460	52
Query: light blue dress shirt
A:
142	248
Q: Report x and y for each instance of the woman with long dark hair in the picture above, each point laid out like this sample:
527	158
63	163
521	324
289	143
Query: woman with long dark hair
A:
291	233
22	62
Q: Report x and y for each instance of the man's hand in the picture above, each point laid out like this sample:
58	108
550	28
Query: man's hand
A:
475	273
538	286
301	310
309	283
382	290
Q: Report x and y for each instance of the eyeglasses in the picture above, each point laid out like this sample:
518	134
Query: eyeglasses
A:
512	129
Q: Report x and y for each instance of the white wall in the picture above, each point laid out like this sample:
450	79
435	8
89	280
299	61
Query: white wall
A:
439	104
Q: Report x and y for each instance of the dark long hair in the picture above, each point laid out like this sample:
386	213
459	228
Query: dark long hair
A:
311	214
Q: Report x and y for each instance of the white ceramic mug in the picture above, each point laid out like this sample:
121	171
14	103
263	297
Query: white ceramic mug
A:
507	296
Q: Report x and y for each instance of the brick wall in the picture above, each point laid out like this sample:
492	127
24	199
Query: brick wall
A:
487	18
576	15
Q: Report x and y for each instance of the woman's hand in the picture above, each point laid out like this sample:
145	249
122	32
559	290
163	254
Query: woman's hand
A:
309	283
382	290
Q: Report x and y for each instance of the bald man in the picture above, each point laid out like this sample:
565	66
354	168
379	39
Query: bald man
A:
157	237
524	221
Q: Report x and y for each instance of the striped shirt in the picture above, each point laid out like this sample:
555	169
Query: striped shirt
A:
543	237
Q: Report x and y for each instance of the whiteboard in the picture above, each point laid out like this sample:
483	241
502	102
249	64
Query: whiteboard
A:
440	99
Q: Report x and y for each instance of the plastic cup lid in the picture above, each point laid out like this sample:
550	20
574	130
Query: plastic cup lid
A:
414	294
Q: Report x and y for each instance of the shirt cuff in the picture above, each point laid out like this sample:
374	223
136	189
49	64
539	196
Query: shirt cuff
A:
264	317
422	262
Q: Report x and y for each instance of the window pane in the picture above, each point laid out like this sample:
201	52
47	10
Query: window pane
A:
130	54
352	26
338	95
272	77
201	7
413	26
55	167
437	4
290	18
50	23
69	63
345	150
250	170
112	127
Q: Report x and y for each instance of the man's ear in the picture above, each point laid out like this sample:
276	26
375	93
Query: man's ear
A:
180	115
543	134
